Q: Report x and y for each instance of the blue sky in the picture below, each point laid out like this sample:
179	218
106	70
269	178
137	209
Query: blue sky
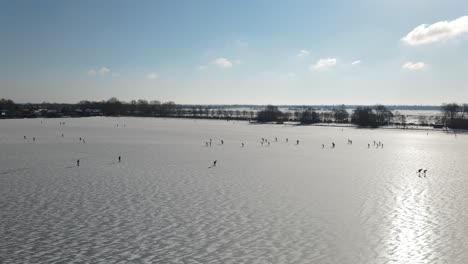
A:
244	52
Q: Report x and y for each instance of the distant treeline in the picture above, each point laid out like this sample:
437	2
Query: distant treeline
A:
115	107
452	115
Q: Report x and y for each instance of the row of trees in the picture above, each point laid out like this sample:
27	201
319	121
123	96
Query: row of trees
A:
453	115
306	116
362	116
115	107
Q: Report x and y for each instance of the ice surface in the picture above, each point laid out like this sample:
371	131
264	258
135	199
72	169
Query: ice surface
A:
282	203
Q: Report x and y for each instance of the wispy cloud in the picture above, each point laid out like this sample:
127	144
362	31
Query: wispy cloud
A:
104	71
92	72
356	63
414	66
439	31
222	62
323	64
303	53
291	75
152	76
242	43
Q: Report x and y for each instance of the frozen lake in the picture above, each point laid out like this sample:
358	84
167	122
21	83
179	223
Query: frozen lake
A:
283	203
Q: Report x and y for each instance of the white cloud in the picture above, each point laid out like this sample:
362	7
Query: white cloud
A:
222	62
104	71
324	64
303	53
356	62
92	72
413	66
152	76
439	31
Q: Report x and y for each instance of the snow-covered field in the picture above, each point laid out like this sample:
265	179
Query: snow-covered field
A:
283	203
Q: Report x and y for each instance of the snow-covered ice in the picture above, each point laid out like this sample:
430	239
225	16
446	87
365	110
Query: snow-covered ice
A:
282	203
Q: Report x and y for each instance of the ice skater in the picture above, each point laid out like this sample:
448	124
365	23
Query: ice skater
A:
34	139
242	144
323	146
419	172
222	142
333	144
120	158
78	162
297	142
424	172
214	164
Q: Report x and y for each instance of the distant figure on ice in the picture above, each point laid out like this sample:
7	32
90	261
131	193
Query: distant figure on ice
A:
368	145
286	140
34	139
222	142
24	137
297	142
333	144
419	172
323	146
242	144
120	158
214	164
77	162
424	172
